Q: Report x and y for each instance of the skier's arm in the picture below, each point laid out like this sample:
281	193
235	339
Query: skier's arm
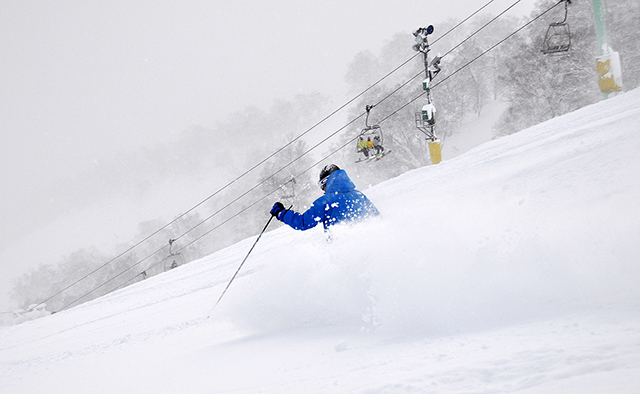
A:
306	220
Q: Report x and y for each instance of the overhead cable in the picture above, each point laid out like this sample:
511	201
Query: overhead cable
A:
271	156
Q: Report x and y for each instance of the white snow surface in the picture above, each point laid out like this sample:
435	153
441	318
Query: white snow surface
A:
514	267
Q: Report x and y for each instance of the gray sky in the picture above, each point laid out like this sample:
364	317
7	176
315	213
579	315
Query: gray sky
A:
83	80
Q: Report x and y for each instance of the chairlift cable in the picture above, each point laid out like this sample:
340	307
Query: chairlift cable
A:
214	214
228	184
466	19
343	146
349	142
218	211
280	170
255	166
288	144
481	28
343	127
235	215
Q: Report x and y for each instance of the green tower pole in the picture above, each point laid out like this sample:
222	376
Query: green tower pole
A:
599	14
607	61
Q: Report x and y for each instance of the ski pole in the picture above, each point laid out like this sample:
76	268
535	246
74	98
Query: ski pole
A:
245	259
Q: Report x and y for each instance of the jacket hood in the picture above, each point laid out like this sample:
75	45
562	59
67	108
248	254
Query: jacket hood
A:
339	182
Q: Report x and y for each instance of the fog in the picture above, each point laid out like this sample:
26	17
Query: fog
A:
85	84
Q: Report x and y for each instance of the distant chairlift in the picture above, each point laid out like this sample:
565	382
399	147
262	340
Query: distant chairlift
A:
289	193
173	260
558	37
371	133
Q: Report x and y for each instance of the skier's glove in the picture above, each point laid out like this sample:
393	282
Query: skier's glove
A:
277	210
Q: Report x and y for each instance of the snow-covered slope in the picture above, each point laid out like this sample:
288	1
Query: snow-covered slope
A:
475	130
511	268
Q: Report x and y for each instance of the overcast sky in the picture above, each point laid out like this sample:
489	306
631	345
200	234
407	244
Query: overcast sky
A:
83	80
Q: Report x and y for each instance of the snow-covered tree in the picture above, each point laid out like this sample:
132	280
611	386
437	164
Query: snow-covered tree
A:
539	87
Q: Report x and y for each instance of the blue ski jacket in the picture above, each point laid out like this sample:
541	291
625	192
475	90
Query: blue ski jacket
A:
340	203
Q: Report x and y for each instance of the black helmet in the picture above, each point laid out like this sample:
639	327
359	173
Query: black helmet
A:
327	170
324	174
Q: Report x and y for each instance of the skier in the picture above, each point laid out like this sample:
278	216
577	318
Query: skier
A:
340	203
362	144
377	146
369	143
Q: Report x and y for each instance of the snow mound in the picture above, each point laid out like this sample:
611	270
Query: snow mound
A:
525	227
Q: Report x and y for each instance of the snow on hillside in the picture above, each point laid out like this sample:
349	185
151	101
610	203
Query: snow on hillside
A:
476	129
511	268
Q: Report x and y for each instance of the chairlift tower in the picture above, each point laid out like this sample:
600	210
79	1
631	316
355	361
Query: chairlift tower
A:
426	118
289	195
607	61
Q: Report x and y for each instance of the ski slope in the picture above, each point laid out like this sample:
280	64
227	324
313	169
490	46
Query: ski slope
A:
513	268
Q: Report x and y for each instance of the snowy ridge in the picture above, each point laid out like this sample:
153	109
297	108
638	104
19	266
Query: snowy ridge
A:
510	268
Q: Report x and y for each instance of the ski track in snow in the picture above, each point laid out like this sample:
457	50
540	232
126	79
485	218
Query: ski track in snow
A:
510	268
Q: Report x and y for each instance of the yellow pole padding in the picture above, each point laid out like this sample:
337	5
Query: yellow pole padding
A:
609	72
435	151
